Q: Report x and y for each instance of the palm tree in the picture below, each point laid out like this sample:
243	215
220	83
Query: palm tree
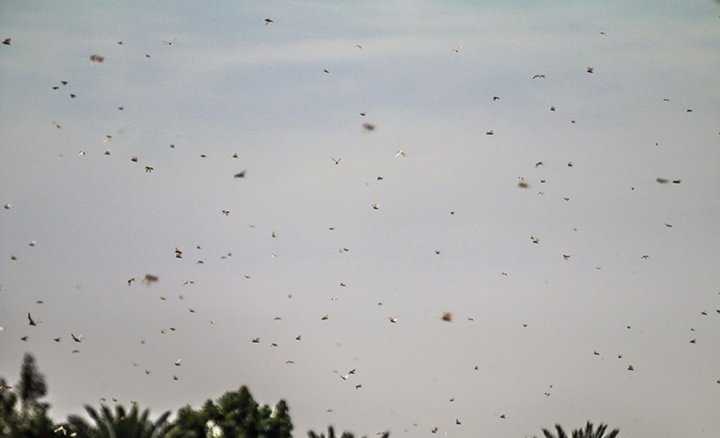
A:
331	434
123	424
560	432
588	432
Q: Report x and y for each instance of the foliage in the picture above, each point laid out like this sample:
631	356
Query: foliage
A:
30	418
589	432
133	424
32	385
331	434
560	432
236	414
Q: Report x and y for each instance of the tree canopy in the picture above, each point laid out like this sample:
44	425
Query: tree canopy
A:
235	414
588	432
22	413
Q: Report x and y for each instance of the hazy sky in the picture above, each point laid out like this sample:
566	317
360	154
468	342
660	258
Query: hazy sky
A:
453	233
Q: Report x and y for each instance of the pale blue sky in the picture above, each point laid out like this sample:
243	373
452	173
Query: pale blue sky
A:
231	84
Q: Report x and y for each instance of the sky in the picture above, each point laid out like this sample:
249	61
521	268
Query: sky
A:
555	289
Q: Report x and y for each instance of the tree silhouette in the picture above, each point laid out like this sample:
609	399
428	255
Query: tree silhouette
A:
588	432
560	432
32	385
189	424
132	424
31	419
591	432
236	414
280	423
331	434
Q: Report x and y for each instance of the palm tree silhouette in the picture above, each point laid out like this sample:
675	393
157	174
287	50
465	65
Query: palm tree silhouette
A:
589	432
132	424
